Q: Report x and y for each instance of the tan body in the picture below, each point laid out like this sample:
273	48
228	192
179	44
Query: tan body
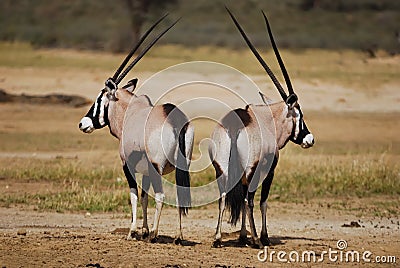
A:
142	125
258	144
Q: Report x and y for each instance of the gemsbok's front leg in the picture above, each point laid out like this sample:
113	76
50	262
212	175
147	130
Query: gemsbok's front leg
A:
156	181
134	197
263	207
145	202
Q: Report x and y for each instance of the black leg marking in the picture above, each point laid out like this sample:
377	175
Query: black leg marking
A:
266	185
131	180
145	200
243	232
265	188
219	177
155	178
133	188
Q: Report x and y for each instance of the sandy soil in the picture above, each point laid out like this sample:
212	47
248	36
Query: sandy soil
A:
35	239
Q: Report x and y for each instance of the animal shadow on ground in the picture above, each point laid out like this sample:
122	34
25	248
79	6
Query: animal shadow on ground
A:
233	240
161	239
164	239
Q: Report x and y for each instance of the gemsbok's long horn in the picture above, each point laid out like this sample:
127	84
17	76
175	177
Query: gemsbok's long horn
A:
278	56
137	59
133	50
259	58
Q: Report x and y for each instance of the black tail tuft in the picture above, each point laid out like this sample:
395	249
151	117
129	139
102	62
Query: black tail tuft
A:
182	174
235	196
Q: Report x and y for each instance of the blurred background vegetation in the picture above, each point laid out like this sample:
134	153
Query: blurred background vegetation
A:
113	25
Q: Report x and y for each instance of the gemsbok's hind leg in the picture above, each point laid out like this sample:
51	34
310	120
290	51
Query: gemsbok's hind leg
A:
179	236
243	231
156	181
266	185
145	201
253	178
218	235
134	197
221	180
263	207
249	203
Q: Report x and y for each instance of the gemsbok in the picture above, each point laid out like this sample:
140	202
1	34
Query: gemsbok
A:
153	140
245	149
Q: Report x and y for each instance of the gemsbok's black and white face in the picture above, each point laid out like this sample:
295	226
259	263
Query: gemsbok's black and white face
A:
97	116
301	135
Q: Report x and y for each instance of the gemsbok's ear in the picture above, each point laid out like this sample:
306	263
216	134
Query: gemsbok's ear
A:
131	85
291	100
265	99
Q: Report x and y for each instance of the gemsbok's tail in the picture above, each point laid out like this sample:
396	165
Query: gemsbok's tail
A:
235	195
182	173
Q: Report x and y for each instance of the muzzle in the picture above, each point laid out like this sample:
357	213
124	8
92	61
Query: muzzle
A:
86	125
308	141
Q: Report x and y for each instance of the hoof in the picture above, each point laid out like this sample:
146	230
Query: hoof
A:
243	240
217	243
152	237
265	241
178	241
132	236
145	233
257	244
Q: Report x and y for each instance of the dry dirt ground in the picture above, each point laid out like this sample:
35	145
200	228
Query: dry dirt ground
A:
42	239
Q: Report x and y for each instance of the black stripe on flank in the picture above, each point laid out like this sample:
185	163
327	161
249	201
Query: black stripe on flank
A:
236	119
218	169
175	116
244	116
252	172
168	107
